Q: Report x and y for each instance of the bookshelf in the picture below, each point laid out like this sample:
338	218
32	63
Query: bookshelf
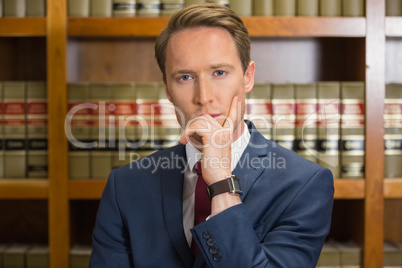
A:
370	201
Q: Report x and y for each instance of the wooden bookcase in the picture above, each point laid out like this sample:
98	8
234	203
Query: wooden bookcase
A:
343	49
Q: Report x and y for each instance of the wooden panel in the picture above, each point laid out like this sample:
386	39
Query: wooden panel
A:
375	92
22	26
393	220
349	189
393	188
393	26
23	189
258	26
59	227
86	189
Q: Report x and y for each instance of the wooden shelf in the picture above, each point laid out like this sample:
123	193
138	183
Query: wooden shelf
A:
257	26
22	27
349	188
85	189
393	188
24	188
393	26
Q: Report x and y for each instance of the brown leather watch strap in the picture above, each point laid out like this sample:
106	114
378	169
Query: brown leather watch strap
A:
230	185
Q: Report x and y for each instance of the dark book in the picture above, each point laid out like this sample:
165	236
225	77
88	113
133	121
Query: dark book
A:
35	8
149	8
306	121
329	126
79	256
330	8
14	256
307	8
285	8
392	255
350	254
168	7
283	115
101	8
124	8
393	8
37	257
14	8
352	130
329	257
78	130
393	131
78	8
353	8
263	8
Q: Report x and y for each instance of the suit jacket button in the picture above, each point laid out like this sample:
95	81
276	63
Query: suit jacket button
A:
206	234
217	257
211	242
213	250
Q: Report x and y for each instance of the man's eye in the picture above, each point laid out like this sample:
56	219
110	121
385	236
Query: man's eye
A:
220	73
185	77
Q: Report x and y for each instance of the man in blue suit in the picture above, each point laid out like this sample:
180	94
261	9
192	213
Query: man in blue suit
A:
269	207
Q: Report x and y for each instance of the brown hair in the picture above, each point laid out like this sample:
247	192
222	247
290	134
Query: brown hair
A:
208	15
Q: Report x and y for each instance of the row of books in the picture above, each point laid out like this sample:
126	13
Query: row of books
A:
23	129
22	8
131	8
349	254
37	256
393	7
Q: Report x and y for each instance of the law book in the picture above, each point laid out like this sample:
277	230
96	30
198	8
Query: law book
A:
241	7
101	8
329	257
35	8
193	2
123	98
259	108
77	130
14	129
78	8
353	8
263	8
393	8
392	257
14	8
169	7
330	8
1	8
79	256
1	133
352	130
328	94
146	102
14	256
37	257
169	129
393	131
283	115
307	8
350	254
3	248
124	8
37	129
285	8
306	121
102	130
148	8
225	3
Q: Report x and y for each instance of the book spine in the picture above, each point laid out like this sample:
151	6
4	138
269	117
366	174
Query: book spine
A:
352	8
37	256
124	8
1	132
263	8
352	130
393	7
78	8
14	130
307	8
330	8
259	109
329	126
285	8
241	7
148	8
102	130
1	8
35	8
193	2
14	8
14	256
168	7
306	121
101	8
77	130
225	3
284	115
393	131
37	129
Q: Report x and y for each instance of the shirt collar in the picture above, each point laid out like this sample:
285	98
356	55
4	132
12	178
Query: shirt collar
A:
237	149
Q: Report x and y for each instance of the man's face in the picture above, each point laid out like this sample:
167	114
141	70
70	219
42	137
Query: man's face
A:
204	73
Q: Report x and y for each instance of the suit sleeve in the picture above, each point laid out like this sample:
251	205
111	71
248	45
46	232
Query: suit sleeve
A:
111	243
229	239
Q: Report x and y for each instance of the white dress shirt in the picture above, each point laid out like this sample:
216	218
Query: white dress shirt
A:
190	177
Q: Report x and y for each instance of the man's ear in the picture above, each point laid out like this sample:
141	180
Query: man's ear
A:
249	77
166	89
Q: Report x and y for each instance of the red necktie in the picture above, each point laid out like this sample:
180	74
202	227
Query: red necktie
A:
202	206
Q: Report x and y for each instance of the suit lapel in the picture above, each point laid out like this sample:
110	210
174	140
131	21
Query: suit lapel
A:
172	197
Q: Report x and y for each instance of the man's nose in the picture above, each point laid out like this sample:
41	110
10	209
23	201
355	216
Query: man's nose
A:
203	94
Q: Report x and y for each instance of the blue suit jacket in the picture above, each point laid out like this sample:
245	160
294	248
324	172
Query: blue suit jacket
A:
283	220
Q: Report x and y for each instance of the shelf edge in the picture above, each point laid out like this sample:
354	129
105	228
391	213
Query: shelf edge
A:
22	27
24	188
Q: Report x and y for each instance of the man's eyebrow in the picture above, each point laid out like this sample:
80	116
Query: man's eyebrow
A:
183	71
220	65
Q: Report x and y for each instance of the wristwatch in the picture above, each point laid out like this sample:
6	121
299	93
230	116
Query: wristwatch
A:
230	185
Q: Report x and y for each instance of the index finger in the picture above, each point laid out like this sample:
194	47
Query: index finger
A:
232	115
